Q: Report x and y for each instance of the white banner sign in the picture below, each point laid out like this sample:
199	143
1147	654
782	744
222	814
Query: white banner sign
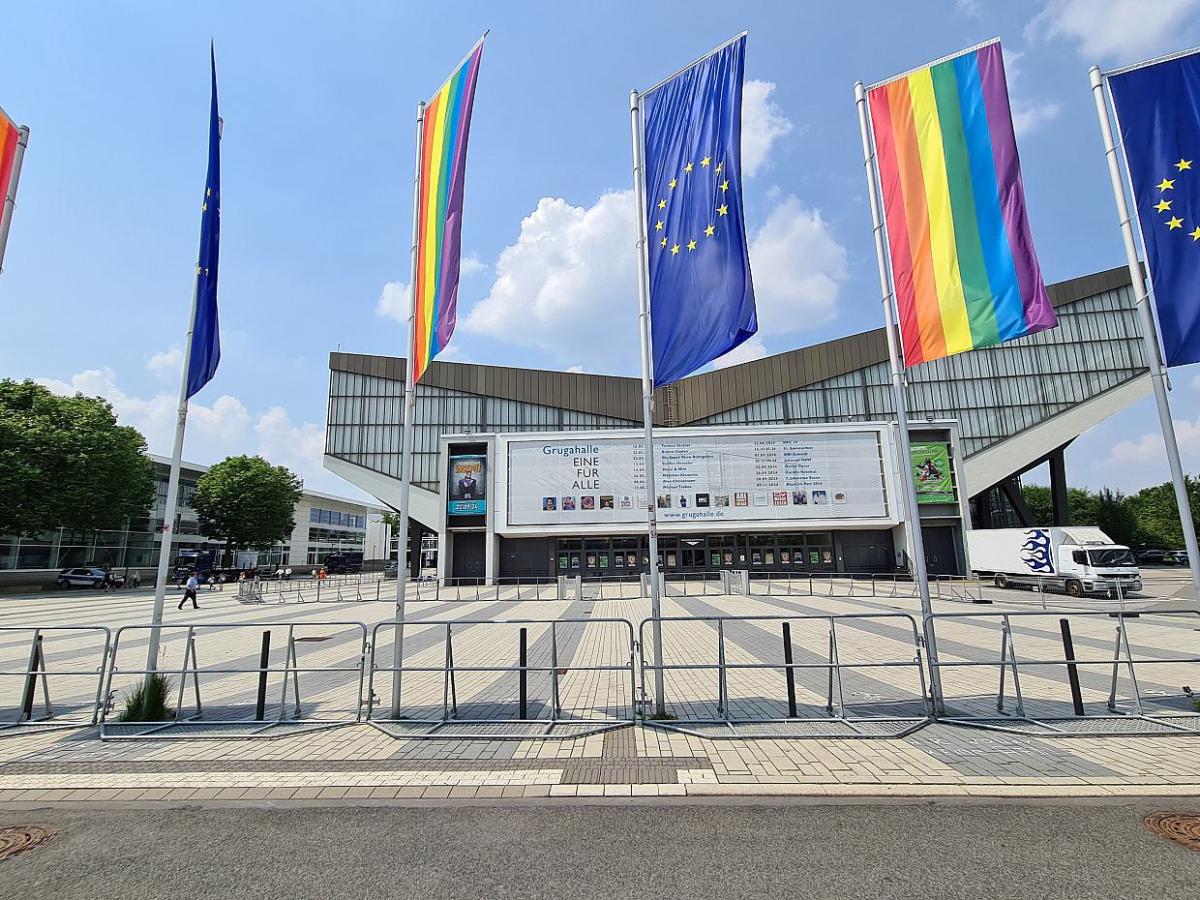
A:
735	477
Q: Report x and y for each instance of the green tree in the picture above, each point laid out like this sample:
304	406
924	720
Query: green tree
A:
1157	514
246	501
65	462
392	520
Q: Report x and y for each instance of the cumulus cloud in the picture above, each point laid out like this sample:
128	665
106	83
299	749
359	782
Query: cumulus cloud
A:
568	286
763	123
1117	30
1148	450
472	265
224	427
798	266
1028	114
166	364
393	301
743	352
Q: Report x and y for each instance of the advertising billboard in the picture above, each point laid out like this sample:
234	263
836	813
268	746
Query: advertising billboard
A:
931	472
743	476
467	486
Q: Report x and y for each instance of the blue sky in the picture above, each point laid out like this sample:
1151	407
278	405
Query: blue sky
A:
318	103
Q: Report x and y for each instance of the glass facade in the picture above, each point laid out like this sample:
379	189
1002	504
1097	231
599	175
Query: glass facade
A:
993	393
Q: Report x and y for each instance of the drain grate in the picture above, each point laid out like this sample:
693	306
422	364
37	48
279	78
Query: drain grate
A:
1182	829
19	838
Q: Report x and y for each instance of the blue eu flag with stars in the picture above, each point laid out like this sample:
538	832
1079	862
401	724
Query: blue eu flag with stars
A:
206	336
701	293
1158	112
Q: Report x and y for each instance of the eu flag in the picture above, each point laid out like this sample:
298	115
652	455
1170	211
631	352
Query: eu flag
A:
1158	113
701	293
206	337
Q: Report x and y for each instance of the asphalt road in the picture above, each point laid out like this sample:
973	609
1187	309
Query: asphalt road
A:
731	849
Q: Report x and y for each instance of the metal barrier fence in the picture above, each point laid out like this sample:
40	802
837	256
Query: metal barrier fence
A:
66	654
332	589
781	698
453	699
1050	660
240	708
891	585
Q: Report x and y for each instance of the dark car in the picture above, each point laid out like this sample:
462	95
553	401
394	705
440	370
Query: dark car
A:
87	576
1154	558
1177	558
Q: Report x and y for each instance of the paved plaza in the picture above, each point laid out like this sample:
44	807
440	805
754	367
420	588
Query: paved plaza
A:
327	754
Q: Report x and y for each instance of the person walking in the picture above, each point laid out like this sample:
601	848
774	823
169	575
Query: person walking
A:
189	592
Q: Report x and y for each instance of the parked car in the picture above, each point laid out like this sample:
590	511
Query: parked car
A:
88	576
1153	558
1177	558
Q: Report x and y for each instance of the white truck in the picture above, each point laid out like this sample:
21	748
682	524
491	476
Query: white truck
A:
1078	560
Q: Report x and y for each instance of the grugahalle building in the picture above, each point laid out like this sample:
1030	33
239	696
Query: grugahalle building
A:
786	463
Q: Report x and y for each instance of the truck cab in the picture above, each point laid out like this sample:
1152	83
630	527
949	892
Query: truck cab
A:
1096	568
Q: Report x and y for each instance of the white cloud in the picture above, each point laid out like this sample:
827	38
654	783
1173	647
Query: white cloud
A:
798	267
166	364
471	264
1149	450
568	286
763	123
578	370
393	301
223	428
1119	30
743	352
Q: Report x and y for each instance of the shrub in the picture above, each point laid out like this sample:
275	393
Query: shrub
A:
147	702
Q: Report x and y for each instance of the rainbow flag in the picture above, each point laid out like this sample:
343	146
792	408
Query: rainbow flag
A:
439	213
963	264
9	135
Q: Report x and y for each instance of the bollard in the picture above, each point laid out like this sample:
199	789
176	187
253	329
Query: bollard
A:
791	674
523	663
1072	669
264	658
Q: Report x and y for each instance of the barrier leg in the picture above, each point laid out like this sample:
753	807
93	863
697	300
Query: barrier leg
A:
264	657
790	672
1112	691
1072	670
722	675
523	662
35	667
554	669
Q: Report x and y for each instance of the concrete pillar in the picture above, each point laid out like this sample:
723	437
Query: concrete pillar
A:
414	548
1058	488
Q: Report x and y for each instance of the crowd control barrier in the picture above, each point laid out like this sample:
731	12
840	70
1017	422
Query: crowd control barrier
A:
449	686
51	676
788	675
299	676
1071	673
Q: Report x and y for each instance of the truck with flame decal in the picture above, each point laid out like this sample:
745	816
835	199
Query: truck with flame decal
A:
1076	560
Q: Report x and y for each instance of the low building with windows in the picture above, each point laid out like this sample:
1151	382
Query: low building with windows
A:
528	473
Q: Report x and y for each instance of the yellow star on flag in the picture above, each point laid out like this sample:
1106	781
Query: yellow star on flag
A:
662	204
720	166
675	250
1196	234
1183	164
658	226
1166	185
663	242
688	167
203	207
1163	205
725	185
1174	222
706	161
671	184
709	231
723	209
691	245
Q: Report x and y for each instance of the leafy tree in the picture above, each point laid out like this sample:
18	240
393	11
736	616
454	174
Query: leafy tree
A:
246	501
1157	514
392	520
65	462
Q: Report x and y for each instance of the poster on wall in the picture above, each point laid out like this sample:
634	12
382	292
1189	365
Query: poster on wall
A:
931	472
730	477
468	486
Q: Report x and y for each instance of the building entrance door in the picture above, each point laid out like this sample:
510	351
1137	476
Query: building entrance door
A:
468	554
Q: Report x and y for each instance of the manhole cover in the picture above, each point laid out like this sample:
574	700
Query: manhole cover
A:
1182	829
19	838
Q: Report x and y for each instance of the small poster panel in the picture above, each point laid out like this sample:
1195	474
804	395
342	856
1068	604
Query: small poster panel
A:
931	472
468	486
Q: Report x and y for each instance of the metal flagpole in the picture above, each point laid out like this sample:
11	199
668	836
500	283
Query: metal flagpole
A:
168	525
639	199
410	402
10	200
912	512
1158	372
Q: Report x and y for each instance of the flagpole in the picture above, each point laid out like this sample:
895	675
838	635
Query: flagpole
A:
912	512
10	200
1158	372
639	199
168	525
410	402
